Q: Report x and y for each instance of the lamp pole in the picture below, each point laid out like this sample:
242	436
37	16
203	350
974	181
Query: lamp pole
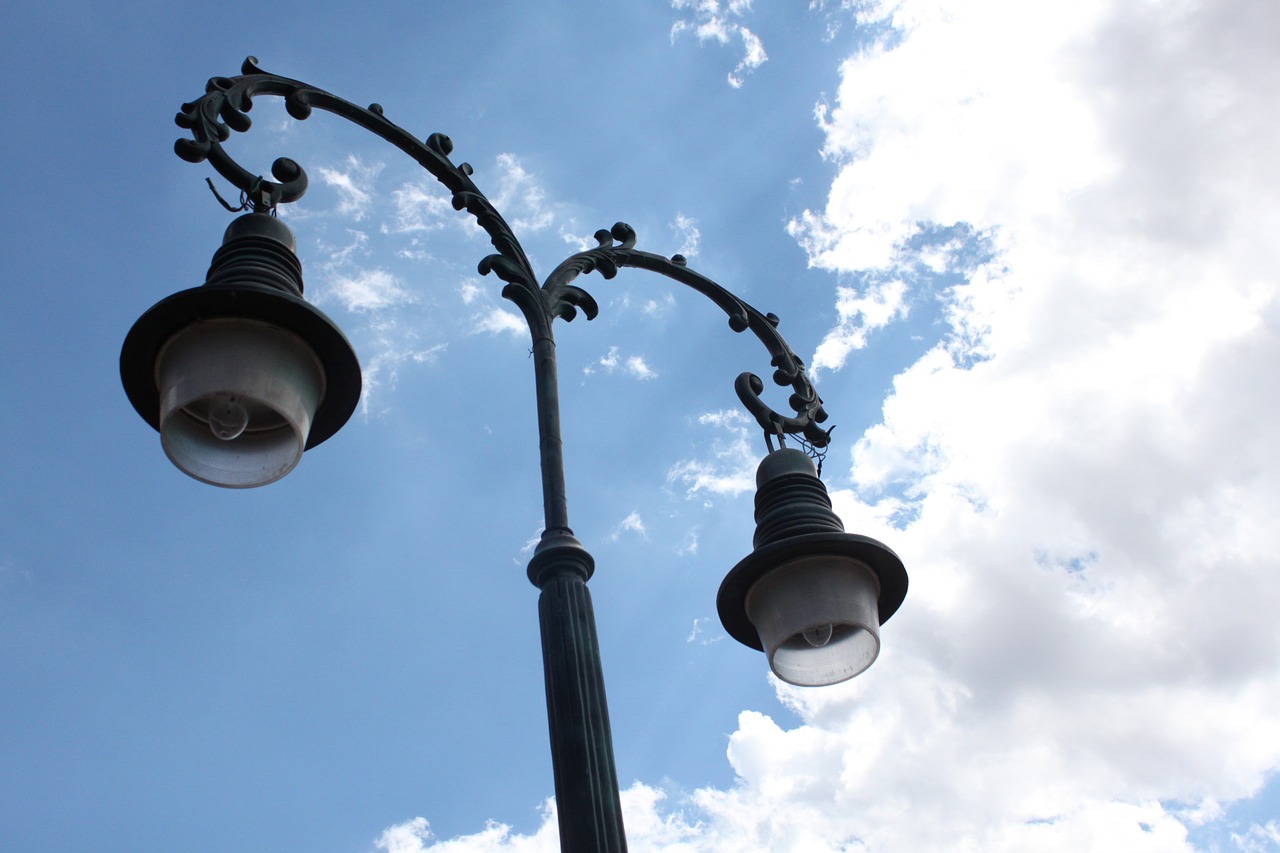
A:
241	375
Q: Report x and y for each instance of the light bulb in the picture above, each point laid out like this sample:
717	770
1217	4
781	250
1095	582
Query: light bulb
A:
818	636
227	416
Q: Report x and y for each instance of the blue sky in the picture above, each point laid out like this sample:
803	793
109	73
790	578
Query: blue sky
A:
1028	253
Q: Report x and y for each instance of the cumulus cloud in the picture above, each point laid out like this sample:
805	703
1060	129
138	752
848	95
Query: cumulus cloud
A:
1081	476
415	836
714	21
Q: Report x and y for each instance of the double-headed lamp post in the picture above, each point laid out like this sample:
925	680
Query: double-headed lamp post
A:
241	375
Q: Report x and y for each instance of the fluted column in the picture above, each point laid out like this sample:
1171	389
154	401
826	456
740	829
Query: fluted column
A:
586	780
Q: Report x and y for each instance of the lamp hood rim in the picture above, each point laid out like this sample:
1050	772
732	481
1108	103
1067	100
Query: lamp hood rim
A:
265	304
731	600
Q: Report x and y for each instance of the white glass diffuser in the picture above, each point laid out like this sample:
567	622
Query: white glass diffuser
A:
237	398
817	619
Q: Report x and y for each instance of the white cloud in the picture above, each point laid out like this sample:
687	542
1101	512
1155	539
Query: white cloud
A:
686	229
1082	479
423	206
1260	838
354	183
689	544
634	366
496	320
698	632
637	367
415	836
730	469
659	307
859	312
369	290
521	198
574	238
391	347
337	257
712	21
408	837
631	524
490	316
384	341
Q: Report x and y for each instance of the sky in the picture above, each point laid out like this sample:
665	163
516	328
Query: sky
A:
1027	250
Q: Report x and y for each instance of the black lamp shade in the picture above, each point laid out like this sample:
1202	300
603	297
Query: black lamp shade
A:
811	596
245	345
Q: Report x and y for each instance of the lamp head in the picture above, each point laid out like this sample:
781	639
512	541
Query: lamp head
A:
810	596
241	374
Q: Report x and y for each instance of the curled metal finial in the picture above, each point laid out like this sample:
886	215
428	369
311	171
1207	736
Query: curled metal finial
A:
616	249
224	108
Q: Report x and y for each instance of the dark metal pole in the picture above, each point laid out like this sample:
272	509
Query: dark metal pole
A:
586	783
588	806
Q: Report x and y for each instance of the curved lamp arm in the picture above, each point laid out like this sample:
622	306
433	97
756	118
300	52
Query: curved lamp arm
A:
225	106
810	595
617	249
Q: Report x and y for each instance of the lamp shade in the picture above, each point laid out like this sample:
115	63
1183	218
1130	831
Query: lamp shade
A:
817	618
237	399
811	596
241	374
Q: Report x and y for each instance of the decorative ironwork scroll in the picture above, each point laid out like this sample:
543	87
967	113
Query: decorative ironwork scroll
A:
224	108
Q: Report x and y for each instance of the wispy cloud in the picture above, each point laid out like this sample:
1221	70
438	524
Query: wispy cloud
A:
521	197
686	230
631	524
730	467
859	311
385	341
354	184
659	307
422	206
698	632
714	21
499	321
392	347
613	362
689	544
369	290
575	237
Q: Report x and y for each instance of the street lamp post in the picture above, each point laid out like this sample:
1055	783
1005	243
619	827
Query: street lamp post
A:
241	375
